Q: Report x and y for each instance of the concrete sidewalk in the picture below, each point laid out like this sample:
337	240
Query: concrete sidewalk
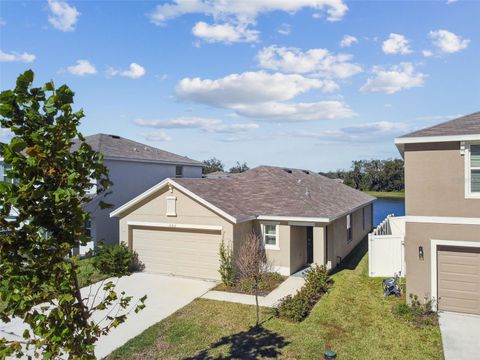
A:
289	287
460	335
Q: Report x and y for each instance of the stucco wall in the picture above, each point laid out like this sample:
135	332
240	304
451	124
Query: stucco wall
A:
129	180
419	234
154	208
435	181
337	244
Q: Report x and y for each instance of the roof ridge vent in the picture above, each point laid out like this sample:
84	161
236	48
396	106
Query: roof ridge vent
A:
115	136
287	170
306	172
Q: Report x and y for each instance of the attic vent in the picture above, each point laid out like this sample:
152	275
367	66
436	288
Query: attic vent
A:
115	136
306	172
288	171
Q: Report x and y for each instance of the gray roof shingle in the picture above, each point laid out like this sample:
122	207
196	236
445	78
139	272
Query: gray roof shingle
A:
273	191
465	125
113	146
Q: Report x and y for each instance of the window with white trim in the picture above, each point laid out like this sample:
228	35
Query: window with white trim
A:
349	227
171	206
473	170
270	235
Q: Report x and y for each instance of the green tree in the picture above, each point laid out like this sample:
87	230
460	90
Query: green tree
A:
38	276
212	165
239	168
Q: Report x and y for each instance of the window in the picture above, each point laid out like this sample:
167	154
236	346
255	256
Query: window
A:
270	236
349	227
171	206
178	171
88	228
3	172
472	168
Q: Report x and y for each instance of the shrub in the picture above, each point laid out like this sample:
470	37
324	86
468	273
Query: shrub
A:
226	270
116	260
296	308
417	313
293	308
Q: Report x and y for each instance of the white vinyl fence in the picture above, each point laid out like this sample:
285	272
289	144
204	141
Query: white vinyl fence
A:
386	248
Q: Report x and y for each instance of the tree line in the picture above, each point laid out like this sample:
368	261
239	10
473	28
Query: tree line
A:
213	164
372	175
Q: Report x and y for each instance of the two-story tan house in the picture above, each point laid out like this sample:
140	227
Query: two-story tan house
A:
177	226
442	238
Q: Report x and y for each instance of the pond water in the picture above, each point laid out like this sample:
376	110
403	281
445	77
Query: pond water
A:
384	206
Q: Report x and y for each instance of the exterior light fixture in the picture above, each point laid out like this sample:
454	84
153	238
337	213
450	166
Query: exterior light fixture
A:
420	253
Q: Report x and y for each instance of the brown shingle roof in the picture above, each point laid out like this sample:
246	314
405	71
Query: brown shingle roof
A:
273	191
465	125
113	146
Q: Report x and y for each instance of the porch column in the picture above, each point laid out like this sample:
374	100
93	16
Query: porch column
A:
319	245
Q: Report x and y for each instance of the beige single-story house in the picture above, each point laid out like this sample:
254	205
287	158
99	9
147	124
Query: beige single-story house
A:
177	226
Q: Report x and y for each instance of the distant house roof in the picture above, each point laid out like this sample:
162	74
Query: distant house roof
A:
218	174
465	125
117	147
270	192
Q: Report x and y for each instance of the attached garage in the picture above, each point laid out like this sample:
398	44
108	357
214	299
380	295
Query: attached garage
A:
176	251
458	279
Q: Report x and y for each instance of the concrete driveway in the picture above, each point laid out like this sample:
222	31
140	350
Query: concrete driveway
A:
165	295
460	335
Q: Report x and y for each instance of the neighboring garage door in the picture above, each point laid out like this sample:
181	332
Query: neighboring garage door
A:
184	253
459	279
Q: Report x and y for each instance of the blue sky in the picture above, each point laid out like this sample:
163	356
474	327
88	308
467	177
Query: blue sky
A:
266	82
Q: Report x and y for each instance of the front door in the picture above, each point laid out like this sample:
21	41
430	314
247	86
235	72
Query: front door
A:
309	244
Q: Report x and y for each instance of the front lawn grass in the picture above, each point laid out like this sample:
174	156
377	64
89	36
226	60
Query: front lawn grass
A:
387	194
353	318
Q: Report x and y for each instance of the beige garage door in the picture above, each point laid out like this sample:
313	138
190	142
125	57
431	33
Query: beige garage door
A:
184	253
459	279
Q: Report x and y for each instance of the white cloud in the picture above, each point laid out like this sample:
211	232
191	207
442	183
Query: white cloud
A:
399	77
244	11
314	61
427	53
263	95
284	29
16	57
247	87
134	71
281	111
157	136
226	33
82	67
451	1
396	44
447	42
348	40
63	16
205	124
357	133
2	22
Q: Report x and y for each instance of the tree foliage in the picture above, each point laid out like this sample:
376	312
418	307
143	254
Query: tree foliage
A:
212	165
38	277
239	168
373	175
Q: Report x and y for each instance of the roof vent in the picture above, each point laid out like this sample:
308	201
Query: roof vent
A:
115	136
288	170
306	172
